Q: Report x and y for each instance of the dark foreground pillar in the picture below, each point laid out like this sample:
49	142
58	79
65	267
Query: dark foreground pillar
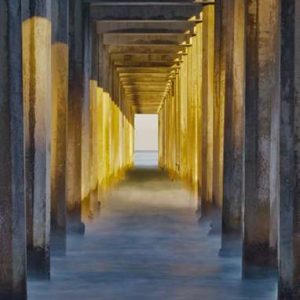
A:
74	223
289	217
262	69
232	86
38	107
60	71
12	204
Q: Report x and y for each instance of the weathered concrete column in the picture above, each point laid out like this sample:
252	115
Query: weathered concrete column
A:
95	120
207	107
289	216
12	186
86	108
232	94
262	68
74	223
218	111
60	73
38	107
199	28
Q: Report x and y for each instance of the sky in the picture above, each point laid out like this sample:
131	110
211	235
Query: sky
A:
146	132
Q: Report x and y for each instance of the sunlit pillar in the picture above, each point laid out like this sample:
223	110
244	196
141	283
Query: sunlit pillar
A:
289	243
86	109
262	69
38	107
75	99
177	124
183	119
103	118
12	186
60	70
232	83
195	90
207	107
199	62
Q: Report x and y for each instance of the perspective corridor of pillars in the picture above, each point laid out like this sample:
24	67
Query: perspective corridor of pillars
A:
188	108
224	78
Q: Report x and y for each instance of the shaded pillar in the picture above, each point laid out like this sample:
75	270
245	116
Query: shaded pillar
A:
60	70
38	107
86	109
75	99
218	111
95	120
12	186
232	94
289	216
262	70
207	108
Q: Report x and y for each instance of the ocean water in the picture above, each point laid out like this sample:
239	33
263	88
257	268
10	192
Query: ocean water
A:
147	244
146	158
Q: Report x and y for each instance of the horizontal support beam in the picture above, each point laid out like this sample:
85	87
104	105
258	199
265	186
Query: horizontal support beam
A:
158	26
145	12
149	49
145	38
141	3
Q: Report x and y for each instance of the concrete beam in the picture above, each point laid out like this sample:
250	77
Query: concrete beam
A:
146	11
149	49
137	26
145	38
12	185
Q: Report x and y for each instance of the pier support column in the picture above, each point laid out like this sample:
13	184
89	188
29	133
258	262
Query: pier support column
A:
12	187
232	93
75	99
289	216
262	69
218	111
95	119
207	107
86	109
60	73
38	107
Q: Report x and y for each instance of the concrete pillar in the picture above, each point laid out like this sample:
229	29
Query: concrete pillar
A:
218	112
75	100
86	108
38	106
289	245
232	94
12	186
262	69
199	28
207	107
94	112
60	75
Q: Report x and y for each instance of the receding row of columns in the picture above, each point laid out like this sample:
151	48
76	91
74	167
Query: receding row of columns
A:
66	135
188	151
239	126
